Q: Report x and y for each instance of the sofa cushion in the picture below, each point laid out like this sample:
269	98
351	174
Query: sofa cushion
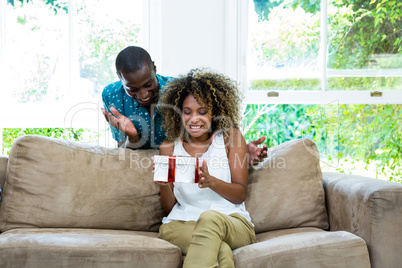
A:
85	248
304	247
3	168
286	190
62	184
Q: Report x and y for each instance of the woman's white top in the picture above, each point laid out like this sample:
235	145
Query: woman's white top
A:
192	200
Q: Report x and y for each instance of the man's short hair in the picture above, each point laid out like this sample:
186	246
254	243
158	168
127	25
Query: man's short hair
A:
132	59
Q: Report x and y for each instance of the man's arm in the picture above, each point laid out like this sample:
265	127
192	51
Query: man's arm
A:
128	145
121	144
124	125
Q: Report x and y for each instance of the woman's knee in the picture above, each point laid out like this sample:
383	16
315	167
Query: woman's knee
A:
211	219
211	216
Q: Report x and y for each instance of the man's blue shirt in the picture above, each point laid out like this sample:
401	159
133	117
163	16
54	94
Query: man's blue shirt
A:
150	131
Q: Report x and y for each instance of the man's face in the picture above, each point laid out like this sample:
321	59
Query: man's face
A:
142	85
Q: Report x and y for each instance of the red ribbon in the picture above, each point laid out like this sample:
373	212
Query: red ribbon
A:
196	178
172	170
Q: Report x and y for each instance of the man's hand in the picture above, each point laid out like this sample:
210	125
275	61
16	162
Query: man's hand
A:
122	123
256	153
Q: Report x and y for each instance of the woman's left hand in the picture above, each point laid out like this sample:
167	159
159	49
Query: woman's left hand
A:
206	180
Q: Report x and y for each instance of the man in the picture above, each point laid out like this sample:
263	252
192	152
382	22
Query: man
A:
129	104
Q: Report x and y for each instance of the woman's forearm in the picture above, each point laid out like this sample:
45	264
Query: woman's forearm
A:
168	199
234	192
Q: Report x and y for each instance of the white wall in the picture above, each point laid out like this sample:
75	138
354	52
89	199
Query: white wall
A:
192	35
186	34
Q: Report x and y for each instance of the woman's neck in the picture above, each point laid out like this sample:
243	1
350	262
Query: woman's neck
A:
197	146
204	139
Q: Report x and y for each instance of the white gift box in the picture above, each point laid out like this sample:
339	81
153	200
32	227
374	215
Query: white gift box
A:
176	168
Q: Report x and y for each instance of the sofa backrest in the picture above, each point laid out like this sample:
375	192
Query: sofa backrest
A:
55	183
286	190
58	183
3	168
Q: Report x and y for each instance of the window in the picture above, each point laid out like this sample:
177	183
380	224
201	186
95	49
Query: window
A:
58	55
284	47
330	71
306	52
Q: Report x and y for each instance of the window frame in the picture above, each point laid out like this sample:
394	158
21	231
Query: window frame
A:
322	96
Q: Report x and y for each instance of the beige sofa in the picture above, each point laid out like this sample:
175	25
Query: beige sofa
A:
67	204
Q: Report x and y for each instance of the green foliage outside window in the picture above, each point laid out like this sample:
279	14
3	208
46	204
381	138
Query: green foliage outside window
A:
279	41
56	5
368	134
359	28
82	135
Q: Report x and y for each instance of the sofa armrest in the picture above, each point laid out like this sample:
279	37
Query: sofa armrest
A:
369	208
3	169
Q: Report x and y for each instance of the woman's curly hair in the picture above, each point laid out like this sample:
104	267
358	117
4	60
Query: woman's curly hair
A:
217	92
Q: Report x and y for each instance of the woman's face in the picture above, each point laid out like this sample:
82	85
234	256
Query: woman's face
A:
196	118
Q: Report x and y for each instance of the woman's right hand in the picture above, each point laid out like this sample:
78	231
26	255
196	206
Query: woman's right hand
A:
161	183
168	200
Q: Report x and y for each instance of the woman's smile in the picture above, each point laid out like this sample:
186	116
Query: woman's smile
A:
195	127
196	118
